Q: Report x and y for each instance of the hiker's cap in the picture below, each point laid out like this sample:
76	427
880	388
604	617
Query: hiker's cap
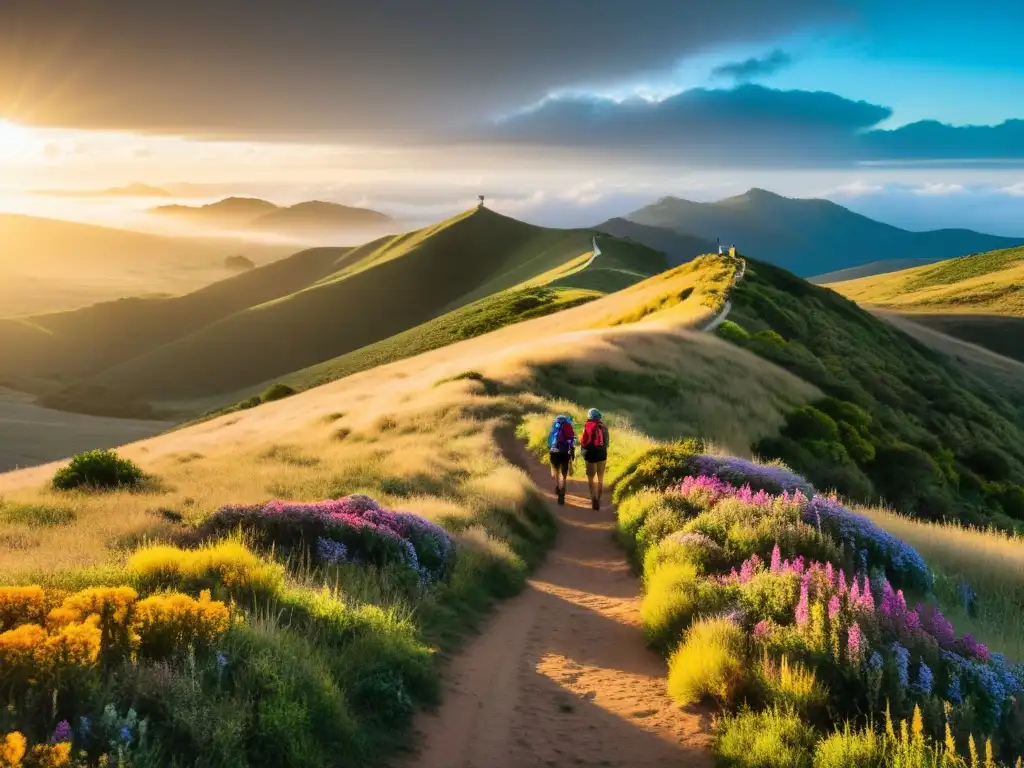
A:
594	415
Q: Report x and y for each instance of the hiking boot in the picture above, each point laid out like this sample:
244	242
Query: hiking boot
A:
561	497
595	504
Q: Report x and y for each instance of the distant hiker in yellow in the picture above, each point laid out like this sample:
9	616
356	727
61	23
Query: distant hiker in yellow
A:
594	447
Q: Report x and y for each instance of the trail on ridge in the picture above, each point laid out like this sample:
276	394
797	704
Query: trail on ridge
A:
560	676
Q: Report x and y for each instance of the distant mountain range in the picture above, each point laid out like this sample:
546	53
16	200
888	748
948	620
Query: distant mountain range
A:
808	237
311	217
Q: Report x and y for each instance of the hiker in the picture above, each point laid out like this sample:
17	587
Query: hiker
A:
594	446
562	444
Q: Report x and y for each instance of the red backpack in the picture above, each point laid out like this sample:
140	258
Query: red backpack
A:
594	434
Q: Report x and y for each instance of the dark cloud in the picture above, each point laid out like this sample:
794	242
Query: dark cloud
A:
931	140
753	68
743	125
755	125
386	67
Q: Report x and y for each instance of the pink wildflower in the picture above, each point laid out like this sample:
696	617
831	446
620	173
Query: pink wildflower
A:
833	607
802	607
842	582
830	574
854	643
776	559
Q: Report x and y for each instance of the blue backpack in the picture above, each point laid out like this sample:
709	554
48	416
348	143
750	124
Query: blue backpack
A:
555	441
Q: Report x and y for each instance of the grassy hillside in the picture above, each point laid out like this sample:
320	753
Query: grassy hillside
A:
902	422
985	283
47	264
809	237
380	290
870	270
978	298
338	655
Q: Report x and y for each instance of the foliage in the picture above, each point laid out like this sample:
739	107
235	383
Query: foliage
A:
709	663
909	424
98	470
277	391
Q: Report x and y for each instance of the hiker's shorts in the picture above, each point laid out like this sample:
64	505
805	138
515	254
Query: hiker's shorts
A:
560	462
595	455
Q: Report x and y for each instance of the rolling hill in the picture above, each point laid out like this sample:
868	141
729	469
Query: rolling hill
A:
306	309
48	264
977	298
678	246
809	237
308	218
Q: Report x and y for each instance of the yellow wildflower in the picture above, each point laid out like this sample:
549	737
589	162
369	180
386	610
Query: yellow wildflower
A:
52	756
21	605
12	750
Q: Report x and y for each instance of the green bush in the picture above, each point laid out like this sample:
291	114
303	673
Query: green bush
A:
668	516
693	548
840	410
808	424
790	685
98	470
857	447
862	748
277	391
710	663
632	514
770	338
774	738
658	468
733	332
675	595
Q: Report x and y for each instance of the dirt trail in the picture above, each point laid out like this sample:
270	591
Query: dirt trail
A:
560	676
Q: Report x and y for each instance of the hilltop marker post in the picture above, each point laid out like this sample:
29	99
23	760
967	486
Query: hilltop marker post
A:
481	204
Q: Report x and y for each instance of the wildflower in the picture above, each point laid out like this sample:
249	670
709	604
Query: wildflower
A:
62	732
330	551
830	575
855	591
854	644
125	735
84	726
875	661
950	741
842	582
761	629
867	600
833	607
776	565
968	597
925	680
12	750
902	664
222	660
802	606
918	723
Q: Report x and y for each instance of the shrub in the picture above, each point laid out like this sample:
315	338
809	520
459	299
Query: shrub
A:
21	605
168	624
807	423
773	478
710	663
36	515
674	597
693	548
226	567
790	685
277	391
859	449
658	468
848	748
774	738
632	514
98	470
668	516
733	332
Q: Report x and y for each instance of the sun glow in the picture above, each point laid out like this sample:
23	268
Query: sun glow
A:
15	142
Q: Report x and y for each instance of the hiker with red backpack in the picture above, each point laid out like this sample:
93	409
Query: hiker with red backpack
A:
562	445
594	446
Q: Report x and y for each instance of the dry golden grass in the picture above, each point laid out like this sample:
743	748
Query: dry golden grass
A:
413	442
990	561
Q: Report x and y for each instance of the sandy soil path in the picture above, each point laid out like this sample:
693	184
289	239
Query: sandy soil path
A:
560	676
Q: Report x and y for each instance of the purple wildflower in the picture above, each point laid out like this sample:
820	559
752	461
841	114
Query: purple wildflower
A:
830	574
776	565
62	732
761	629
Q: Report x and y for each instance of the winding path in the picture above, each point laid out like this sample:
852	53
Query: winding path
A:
561	676
723	314
594	255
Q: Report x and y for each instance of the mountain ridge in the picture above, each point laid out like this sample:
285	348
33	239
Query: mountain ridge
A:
808	236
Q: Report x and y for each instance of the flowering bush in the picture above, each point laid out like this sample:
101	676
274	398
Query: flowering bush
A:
817	588
350	529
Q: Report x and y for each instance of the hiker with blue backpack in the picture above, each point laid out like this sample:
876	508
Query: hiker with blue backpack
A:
562	445
594	447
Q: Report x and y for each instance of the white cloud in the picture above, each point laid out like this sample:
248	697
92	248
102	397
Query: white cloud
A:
857	188
940	188
1017	190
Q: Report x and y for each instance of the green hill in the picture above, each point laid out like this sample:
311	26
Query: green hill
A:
678	246
903	423
303	218
304	310
977	298
809	237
